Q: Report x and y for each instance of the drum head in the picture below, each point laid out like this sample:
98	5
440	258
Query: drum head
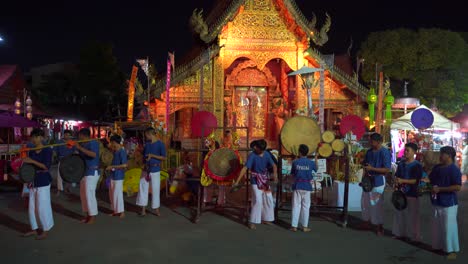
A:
338	145
366	184
106	156
399	200
328	136
222	164
325	150
27	172
72	168
300	130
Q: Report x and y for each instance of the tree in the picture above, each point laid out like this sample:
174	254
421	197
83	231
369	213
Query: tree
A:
100	81
434	61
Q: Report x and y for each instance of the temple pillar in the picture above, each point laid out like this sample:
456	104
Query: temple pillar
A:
301	94
218	90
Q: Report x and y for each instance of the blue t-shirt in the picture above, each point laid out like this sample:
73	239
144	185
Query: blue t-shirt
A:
378	159
258	164
42	177
63	151
92	164
301	170
410	171
120	157
445	176
157	148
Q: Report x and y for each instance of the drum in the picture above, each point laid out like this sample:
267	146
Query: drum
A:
325	150
399	200
27	172
338	145
106	156
72	168
328	136
222	164
16	164
300	130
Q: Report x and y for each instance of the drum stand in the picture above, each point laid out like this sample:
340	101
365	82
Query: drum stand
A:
280	206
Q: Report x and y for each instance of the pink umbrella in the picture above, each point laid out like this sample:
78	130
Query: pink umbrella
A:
203	123
13	120
354	124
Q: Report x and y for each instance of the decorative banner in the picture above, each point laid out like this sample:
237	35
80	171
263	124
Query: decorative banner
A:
131	93
378	119
322	100
388	100
168	86
144	64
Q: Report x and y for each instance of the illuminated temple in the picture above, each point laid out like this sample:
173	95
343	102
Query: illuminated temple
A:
242	75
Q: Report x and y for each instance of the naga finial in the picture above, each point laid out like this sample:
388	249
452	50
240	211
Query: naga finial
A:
199	25
322	37
313	23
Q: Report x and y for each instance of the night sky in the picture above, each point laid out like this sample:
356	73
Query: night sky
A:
43	32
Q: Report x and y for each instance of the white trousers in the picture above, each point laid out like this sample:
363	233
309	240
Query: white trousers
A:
88	194
372	205
262	206
116	196
445	228
300	208
208	194
155	186
406	223
40	207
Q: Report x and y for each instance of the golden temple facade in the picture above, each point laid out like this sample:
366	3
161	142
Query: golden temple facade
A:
242	78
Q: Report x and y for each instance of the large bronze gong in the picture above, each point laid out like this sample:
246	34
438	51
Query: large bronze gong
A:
72	168
300	130
222	164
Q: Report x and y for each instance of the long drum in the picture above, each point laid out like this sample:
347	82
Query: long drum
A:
27	172
72	168
300	130
338	145
222	164
325	150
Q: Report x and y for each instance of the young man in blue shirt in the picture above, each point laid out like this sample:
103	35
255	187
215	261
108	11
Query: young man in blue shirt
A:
39	190
377	164
117	169
406	223
90	152
302	170
154	153
445	179
63	151
262	198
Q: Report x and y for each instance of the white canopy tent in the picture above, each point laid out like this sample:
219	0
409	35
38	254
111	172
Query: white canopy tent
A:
440	122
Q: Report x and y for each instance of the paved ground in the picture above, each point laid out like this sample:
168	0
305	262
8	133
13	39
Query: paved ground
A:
171	238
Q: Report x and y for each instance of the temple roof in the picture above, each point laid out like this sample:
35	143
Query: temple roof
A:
225	11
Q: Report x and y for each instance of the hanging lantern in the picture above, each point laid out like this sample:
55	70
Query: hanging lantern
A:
371	100
29	116
18	106
17	111
388	101
28	109
29	101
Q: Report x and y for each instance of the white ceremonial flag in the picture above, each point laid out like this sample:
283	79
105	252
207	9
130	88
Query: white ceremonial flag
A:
171	58
144	65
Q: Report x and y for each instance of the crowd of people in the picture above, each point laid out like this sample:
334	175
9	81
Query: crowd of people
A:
445	179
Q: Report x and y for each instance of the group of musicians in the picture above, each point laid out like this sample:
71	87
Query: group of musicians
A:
445	179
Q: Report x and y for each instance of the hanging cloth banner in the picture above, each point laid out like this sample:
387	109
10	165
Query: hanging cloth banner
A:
322	100
168	86
131	93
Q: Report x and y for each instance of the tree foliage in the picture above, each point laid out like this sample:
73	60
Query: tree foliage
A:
434	61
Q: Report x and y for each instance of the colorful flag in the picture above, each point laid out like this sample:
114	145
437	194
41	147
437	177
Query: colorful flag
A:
144	65
171	58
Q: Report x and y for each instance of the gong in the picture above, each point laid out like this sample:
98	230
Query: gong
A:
222	164
325	150
27	172
300	130
338	145
72	168
367	183
399	200
328	136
